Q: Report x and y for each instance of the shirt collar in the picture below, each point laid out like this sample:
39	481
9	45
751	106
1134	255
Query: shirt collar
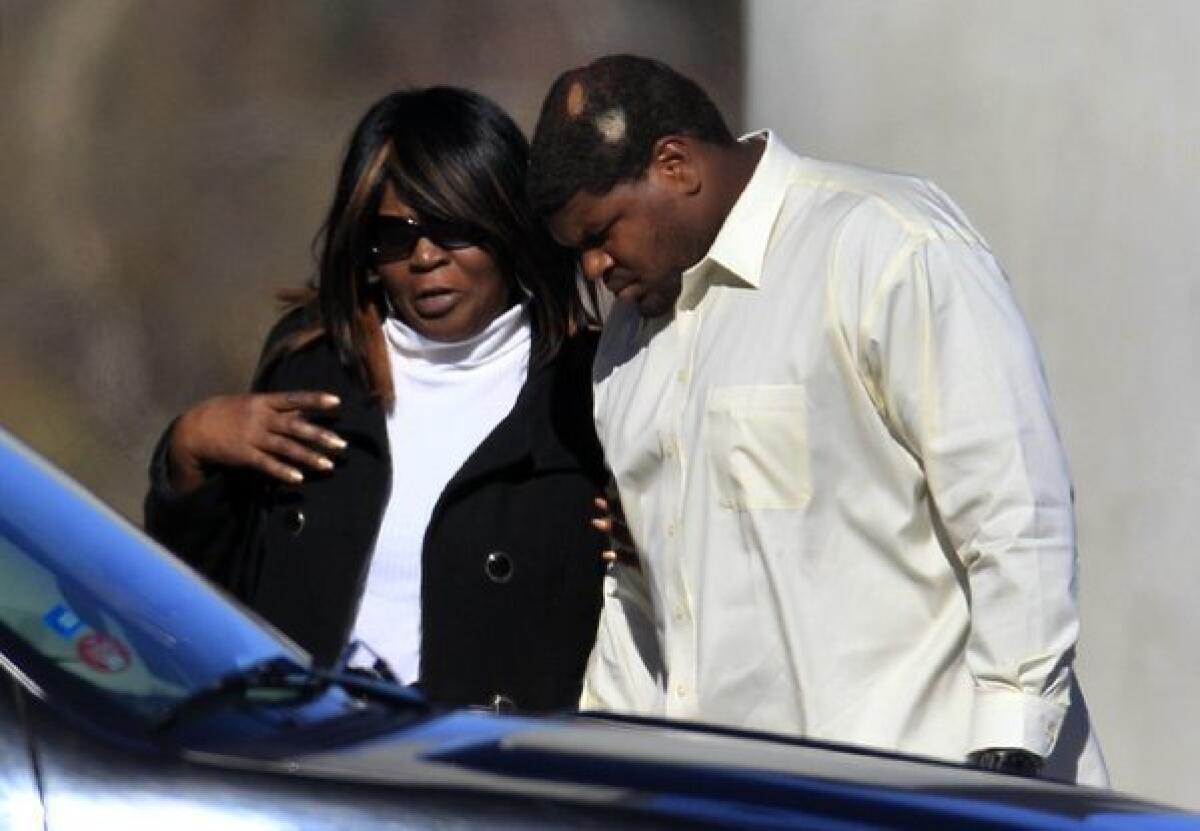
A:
736	255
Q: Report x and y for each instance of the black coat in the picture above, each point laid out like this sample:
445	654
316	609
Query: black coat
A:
511	569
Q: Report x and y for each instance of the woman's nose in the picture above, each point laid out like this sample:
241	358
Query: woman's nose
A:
427	253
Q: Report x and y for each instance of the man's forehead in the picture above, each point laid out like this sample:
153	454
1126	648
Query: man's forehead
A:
570	223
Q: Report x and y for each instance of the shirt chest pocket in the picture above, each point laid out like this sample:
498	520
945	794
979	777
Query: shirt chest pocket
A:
756	441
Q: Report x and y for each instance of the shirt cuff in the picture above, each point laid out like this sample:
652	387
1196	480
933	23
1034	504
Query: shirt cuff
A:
1006	719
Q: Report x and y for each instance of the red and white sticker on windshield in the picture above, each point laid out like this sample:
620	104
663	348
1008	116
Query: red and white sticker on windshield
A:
103	653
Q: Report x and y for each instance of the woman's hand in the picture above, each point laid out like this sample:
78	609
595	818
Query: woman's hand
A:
263	431
612	522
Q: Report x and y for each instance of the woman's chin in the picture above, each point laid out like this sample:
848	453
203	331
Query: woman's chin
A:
446	328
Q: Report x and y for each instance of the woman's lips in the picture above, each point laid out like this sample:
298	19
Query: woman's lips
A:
435	302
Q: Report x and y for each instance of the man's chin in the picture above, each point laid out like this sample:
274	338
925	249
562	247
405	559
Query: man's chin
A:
656	303
653	305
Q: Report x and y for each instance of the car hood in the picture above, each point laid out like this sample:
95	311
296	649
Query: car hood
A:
710	774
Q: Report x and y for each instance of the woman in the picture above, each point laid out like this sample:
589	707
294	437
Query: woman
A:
416	466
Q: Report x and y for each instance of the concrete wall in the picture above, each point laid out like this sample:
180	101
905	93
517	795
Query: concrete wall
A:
1069	132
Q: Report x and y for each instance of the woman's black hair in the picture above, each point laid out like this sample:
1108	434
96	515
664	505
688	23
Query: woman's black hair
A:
450	154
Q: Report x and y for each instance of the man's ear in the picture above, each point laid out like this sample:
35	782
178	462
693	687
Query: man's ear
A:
674	161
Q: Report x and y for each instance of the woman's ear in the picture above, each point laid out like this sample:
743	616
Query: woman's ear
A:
674	163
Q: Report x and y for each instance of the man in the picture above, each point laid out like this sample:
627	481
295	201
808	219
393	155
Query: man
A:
830	434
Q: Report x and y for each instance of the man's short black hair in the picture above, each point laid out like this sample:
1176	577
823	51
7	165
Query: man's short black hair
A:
599	123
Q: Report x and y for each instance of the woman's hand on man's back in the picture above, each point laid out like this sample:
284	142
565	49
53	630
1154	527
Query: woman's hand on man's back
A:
267	432
611	522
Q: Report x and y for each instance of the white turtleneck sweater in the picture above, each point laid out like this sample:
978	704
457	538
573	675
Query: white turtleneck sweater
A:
449	397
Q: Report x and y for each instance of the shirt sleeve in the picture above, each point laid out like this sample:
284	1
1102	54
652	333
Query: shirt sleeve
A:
960	384
624	672
204	527
212	526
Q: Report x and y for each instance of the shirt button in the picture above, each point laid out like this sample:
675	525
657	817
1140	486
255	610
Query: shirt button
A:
681	690
680	614
672	530
681	376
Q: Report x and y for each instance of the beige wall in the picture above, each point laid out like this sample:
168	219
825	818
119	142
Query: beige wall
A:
1069	130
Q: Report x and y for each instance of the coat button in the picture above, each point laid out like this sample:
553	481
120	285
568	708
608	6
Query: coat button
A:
294	521
498	567
502	704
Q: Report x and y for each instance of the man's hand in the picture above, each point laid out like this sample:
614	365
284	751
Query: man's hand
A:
612	523
1007	760
264	431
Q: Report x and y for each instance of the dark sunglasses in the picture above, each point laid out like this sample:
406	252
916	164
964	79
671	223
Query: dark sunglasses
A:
395	238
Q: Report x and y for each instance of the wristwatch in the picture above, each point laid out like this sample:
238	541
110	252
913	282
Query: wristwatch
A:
1015	761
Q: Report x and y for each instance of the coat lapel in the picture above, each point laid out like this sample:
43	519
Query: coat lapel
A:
526	437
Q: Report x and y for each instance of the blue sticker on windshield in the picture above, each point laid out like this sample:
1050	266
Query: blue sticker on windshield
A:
63	621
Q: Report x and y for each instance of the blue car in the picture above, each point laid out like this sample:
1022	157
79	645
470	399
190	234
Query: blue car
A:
138	696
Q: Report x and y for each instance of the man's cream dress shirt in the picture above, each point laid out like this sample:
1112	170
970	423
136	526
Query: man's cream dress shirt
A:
838	461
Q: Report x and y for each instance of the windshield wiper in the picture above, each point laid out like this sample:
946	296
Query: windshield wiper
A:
277	673
378	681
285	674
379	668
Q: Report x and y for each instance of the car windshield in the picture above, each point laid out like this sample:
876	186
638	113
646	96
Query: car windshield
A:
96	609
